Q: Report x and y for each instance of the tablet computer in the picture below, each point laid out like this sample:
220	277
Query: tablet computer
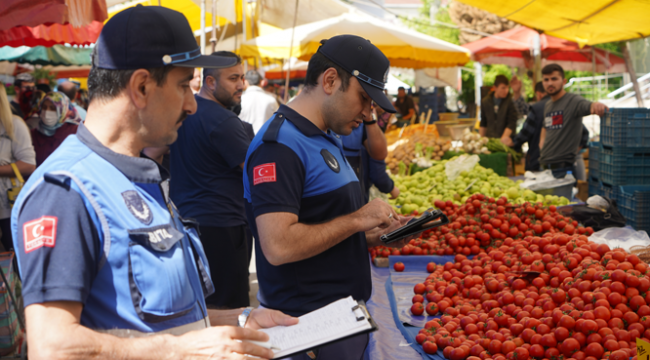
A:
430	219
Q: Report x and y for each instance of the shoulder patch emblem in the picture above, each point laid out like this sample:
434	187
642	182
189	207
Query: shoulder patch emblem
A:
137	206
264	173
330	160
40	232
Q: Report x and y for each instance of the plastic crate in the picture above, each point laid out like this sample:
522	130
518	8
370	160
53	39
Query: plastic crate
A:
608	190
634	204
594	186
624	165
626	127
594	159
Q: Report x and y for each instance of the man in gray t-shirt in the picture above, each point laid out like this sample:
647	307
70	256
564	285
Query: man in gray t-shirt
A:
562	129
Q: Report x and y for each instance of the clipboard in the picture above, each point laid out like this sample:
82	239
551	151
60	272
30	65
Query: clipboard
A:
430	219
359	313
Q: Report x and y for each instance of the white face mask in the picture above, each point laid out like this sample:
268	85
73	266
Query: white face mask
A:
49	117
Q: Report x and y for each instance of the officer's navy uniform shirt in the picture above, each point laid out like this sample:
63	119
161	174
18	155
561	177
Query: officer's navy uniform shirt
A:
96	227
292	166
206	180
368	170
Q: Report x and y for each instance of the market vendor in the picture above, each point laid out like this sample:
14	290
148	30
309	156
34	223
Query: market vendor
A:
305	204
563	129
109	268
404	104
498	112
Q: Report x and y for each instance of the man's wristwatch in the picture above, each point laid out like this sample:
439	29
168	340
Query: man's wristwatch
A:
243	317
371	122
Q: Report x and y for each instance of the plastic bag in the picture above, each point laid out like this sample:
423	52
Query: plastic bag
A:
454	167
624	238
544	180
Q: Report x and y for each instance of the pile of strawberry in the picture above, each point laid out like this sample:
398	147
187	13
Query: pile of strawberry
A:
482	222
583	300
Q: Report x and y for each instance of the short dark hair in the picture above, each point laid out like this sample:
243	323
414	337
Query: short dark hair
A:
215	72
539	87
551	68
318	64
106	84
401	88
501	79
69	91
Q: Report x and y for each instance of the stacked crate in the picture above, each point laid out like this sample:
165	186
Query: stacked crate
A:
620	165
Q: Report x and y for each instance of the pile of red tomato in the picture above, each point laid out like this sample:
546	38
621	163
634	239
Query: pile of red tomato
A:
582	301
482	222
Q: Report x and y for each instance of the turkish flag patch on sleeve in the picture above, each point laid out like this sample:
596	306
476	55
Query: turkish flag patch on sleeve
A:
264	173
40	232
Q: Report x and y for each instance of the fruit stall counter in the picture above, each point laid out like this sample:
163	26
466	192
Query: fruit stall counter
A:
393	341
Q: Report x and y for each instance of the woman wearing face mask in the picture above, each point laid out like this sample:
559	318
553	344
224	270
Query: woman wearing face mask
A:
58	119
15	147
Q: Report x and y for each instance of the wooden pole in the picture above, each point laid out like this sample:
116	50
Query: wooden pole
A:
630	70
213	39
202	37
293	31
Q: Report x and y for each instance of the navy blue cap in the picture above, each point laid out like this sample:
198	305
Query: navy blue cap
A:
148	37
364	61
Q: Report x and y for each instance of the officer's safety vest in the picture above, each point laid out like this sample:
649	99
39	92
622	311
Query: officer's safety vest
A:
152	273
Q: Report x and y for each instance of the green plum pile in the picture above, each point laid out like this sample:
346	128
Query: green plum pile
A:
420	191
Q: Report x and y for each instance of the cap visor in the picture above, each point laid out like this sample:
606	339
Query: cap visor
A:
209	62
378	97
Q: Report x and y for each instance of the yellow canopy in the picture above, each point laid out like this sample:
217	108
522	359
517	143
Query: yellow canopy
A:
193	12
585	22
403	47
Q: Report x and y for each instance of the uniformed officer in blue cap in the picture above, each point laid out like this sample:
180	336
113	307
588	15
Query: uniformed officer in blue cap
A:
109	268
305	204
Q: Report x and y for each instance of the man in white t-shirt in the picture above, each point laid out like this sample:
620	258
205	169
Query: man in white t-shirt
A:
257	106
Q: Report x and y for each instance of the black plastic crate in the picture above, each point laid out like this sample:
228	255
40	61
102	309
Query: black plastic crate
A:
594	159
626	127
624	165
634	204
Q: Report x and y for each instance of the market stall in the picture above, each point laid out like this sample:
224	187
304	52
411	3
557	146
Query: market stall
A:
403	47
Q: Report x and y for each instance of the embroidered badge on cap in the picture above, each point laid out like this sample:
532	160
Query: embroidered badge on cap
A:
264	173
40	232
330	160
137	206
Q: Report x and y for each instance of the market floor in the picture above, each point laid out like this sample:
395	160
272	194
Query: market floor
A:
252	281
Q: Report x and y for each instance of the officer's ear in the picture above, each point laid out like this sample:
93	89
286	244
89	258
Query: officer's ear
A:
140	86
330	81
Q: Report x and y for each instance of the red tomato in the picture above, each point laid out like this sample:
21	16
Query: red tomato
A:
432	308
430	347
399	266
417	309
569	346
419	288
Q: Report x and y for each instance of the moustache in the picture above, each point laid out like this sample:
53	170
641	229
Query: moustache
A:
182	117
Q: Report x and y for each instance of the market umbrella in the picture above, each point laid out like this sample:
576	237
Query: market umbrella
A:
187	7
50	35
41	55
513	47
585	22
36	12
403	47
297	70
